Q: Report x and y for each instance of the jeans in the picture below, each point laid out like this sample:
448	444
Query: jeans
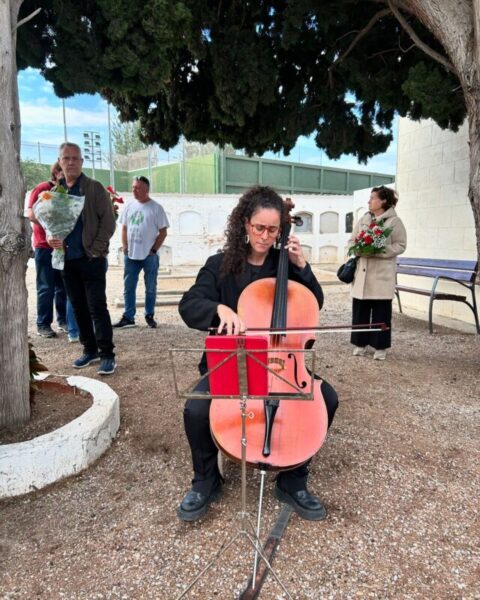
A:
85	280
71	321
150	266
50	289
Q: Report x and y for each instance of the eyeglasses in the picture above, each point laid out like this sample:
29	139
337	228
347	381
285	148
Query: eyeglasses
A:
259	229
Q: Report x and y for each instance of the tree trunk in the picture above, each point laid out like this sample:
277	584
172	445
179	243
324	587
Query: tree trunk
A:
14	236
474	179
473	110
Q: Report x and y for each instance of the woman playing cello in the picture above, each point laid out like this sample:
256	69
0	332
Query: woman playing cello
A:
249	255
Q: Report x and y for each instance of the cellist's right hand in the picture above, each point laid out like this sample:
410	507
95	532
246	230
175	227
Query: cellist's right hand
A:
229	320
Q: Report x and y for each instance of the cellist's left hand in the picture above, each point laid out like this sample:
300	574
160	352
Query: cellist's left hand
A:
295	252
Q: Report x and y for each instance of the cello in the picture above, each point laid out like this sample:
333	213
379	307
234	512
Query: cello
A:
282	433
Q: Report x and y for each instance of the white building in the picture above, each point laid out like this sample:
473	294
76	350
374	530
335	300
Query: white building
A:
432	183
198	222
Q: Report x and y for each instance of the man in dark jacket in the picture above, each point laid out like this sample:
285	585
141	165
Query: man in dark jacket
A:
86	249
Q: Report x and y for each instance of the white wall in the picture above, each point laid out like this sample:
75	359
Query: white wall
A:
432	183
197	223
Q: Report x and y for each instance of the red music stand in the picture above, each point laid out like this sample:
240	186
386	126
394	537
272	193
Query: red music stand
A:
223	365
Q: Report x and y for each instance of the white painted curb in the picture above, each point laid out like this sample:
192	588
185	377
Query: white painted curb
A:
31	465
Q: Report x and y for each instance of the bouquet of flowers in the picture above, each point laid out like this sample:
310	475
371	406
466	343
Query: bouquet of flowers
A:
57	212
371	240
115	198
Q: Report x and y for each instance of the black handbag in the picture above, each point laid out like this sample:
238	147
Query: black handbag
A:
346	272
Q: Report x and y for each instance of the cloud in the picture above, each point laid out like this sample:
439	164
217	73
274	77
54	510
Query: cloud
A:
42	122
33	113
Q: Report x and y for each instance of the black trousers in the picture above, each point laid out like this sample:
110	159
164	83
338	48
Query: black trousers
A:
85	281
372	311
204	452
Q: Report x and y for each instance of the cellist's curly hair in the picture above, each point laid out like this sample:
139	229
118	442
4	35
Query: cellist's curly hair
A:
235	249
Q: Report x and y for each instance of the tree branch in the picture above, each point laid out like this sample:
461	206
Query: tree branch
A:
363	32
418	42
26	19
376	17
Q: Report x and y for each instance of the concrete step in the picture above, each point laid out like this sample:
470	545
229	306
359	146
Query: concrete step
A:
171	292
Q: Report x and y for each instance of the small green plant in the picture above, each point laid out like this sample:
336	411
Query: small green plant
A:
36	367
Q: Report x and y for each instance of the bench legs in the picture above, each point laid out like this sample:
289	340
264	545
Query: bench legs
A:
398	300
474	308
430	311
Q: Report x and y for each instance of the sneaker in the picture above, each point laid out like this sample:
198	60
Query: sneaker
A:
62	326
124	323
359	351
107	366
46	332
85	360
73	339
150	321
380	355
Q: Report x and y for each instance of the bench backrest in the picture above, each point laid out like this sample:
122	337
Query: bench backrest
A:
460	270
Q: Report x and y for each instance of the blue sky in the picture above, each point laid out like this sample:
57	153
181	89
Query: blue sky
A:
43	128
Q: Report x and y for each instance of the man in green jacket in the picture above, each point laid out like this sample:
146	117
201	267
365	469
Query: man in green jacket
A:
86	249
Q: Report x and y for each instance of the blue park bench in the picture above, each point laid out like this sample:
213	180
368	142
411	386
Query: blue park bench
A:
463	272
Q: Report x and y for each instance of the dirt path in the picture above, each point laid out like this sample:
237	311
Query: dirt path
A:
399	475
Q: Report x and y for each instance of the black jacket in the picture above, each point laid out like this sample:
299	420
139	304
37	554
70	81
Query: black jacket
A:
198	306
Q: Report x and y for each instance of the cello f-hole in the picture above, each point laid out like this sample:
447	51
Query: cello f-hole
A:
302	385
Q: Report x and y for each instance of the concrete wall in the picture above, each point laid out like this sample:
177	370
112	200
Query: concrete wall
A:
432	183
197	224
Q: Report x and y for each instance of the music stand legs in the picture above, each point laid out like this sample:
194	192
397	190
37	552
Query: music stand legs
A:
245	526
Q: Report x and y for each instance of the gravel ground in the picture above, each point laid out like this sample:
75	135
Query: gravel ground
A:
399	475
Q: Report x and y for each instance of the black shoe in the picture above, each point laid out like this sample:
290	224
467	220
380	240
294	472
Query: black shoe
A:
124	323
305	504
195	504
46	332
150	321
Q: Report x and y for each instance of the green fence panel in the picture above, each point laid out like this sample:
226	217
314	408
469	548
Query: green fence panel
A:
358	181
334	182
276	175
241	172
121	178
381	180
307	178
200	175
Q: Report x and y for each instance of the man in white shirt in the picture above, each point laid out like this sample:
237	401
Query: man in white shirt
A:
144	229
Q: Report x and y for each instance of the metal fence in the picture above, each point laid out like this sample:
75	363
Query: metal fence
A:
195	169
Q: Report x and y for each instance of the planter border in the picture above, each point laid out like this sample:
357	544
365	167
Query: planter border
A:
31	465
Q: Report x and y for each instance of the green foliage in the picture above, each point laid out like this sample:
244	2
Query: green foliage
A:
34	173
126	137
436	94
35	367
253	74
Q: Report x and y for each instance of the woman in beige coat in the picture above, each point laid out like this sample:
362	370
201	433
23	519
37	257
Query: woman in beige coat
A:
373	287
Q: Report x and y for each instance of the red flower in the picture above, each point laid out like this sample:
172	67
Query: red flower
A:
368	239
377	231
114	196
